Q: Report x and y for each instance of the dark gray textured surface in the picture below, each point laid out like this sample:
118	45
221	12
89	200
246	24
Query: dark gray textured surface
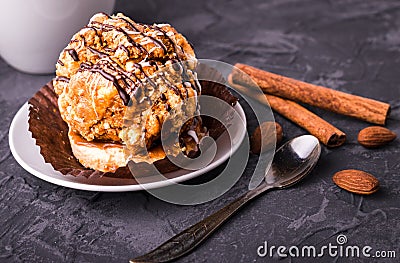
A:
349	45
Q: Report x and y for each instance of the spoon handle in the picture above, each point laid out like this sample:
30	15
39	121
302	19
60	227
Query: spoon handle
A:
189	238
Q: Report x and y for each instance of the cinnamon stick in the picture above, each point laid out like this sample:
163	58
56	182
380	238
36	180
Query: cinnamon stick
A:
369	110
323	130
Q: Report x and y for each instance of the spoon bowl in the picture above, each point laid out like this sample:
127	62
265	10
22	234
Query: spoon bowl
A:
293	161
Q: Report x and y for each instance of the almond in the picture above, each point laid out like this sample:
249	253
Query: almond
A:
263	138
375	136
356	181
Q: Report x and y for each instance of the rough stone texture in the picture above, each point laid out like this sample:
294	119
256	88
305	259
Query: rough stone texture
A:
349	45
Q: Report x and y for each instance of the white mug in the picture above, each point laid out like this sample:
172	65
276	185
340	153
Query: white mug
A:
34	32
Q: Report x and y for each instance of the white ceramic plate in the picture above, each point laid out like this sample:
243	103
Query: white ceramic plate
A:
27	154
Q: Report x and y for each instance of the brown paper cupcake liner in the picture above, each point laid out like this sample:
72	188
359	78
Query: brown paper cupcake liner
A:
51	132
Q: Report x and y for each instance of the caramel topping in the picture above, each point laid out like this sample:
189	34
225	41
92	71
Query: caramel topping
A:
102	145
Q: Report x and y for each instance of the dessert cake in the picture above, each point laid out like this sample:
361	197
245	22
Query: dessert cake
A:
118	82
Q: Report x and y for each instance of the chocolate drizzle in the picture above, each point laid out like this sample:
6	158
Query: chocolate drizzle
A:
60	62
62	78
174	88
177	60
73	54
155	40
138	66
97	34
98	52
124	49
153	64
97	68
130	83
128	37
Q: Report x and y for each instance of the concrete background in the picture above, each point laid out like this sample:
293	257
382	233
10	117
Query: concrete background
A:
348	45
